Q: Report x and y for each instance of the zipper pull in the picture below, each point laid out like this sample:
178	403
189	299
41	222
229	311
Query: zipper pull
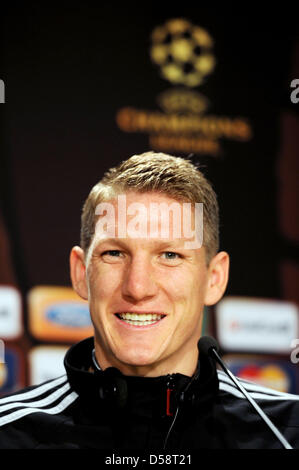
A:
169	390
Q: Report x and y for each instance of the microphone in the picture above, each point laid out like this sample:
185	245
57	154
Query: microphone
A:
209	347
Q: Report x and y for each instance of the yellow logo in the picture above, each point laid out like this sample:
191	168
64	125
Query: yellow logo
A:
183	52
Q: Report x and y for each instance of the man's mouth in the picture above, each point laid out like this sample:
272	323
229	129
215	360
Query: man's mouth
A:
140	319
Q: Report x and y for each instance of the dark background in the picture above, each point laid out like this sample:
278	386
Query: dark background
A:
69	68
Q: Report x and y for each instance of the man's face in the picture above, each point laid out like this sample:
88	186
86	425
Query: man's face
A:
146	297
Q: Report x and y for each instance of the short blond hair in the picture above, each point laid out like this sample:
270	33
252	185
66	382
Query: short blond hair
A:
175	177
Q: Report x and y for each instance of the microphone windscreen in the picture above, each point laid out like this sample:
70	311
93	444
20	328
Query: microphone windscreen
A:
206	343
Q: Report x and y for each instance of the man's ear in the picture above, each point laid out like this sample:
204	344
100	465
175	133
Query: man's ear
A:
77	271
217	278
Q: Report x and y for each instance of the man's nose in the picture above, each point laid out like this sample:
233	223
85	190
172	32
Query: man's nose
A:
139	282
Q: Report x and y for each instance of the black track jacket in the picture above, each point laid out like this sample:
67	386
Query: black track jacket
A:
79	411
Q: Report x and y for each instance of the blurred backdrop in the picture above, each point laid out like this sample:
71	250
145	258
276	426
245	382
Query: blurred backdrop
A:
85	88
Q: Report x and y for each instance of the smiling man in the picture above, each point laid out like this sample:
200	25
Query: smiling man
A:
148	263
147	294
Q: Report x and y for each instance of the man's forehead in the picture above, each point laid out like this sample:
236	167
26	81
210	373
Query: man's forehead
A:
154	242
153	218
147	205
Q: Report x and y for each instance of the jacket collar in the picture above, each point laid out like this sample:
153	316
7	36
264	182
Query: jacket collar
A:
142	392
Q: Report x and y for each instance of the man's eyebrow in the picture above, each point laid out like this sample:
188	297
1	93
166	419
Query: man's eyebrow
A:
160	243
116	241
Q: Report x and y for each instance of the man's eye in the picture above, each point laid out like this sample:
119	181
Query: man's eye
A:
114	253
171	255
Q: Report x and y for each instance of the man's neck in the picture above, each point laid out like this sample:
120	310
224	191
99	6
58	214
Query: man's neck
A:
185	365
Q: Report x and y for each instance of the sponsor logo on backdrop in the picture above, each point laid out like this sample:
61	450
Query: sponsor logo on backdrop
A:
266	371
68	314
183	54
11	325
257	325
58	314
46	363
269	375
12	371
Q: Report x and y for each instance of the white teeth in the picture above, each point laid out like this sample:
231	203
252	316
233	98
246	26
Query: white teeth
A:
141	319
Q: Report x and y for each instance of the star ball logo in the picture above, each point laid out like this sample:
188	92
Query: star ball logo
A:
183	54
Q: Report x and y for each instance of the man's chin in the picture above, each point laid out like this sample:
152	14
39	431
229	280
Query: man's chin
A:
137	363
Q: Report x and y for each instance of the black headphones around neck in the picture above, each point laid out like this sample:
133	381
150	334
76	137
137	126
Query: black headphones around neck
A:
113	388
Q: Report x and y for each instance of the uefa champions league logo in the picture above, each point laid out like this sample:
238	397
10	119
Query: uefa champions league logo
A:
183	52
